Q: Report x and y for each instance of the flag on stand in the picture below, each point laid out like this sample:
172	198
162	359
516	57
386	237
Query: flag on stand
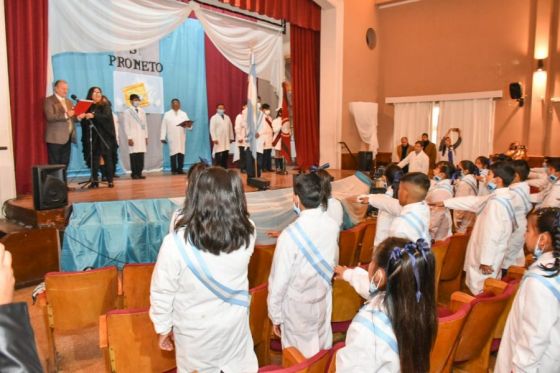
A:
285	150
252	107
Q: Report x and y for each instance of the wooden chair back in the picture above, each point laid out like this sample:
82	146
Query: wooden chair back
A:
348	244
366	247
259	323
332	363
136	280
260	264
439	250
133	343
294	362
346	302
452	267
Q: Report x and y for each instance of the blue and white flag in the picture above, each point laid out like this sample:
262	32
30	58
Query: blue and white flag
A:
252	97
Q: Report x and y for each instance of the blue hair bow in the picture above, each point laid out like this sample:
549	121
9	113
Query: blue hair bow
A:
317	168
410	248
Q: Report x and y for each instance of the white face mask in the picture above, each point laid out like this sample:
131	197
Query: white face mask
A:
538	251
267	112
373	288
135	103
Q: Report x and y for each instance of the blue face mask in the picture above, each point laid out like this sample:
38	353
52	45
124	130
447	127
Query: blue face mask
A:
221	111
491	186
373	288
437	178
296	209
538	250
552	178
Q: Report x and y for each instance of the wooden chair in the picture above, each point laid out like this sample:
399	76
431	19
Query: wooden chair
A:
475	340
260	264
332	363
346	304
131	343
515	273
75	300
294	362
136	280
513	279
366	246
443	352
439	250
452	268
259	323
348	243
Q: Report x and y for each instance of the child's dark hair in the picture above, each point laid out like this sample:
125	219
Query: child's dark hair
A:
521	168
326	187
446	167
215	218
484	160
394	174
309	189
470	167
410	299
548	221
554	163
504	171
192	177
417	178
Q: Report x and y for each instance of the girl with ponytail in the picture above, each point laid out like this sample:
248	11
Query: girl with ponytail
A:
465	185
531	340
396	329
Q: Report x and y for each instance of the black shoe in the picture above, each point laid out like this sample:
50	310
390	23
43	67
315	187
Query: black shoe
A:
116	176
181	172
134	177
93	185
111	185
174	172
141	177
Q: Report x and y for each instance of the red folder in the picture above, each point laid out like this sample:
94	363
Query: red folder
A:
82	107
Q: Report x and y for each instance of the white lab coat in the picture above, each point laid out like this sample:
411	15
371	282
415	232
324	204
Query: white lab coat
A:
548	197
490	236
466	186
335	211
522	206
417	162
412	223
265	132
210	334
174	134
482	189
299	299
241	129
531	339
538	178
358	278
389	208
136	129
440	217
371	344
221	130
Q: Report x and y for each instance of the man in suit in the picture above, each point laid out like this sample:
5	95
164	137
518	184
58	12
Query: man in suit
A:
430	150
59	113
403	150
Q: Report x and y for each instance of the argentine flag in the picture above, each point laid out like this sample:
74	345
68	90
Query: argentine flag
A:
252	107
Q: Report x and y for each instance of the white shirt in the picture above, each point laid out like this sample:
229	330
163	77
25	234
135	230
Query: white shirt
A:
221	130
548	197
531	339
241	129
412	223
466	186
335	211
417	162
265	132
522	206
389	208
440	217
136	129
172	132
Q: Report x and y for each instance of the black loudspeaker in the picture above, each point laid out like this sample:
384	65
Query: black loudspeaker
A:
365	160
516	92
49	188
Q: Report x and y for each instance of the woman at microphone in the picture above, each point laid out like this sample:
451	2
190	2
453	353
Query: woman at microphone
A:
101	117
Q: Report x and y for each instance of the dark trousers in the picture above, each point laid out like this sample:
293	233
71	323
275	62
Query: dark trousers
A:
136	164
103	168
242	161
221	158
109	166
279	163
250	163
267	160
177	161
59	154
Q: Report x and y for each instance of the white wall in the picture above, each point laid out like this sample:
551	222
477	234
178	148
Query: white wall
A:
7	170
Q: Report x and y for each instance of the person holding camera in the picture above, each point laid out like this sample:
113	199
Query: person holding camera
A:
447	147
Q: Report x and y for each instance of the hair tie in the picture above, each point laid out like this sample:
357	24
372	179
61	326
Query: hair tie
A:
205	161
317	168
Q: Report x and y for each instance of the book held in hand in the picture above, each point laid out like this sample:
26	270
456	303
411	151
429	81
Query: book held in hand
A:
82	107
186	124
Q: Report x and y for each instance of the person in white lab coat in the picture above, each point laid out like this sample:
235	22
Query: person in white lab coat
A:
264	139
241	137
522	206
173	127
549	196
417	161
280	127
531	339
397	327
493	227
331	205
299	286
221	132
136	129
440	217
482	163
466	185
199	293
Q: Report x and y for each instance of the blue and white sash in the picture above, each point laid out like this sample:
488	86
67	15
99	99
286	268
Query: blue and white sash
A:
506	203
524	197
472	184
137	118
414	221
311	253
196	264
376	324
444	186
551	283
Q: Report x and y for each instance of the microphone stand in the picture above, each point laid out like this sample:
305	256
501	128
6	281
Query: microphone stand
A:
89	183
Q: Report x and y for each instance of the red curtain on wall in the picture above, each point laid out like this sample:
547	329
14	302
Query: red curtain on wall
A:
303	13
225	83
305	46
27	42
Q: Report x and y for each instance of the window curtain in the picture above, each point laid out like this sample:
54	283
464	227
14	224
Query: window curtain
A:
412	119
27	45
304	45
475	119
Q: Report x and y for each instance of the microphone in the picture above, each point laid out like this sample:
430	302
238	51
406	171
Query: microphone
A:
74	97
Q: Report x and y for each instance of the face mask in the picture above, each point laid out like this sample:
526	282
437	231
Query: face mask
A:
244	111
258	105
267	112
491	186
538	251
296	209
552	178
373	288
437	178
221	111
135	103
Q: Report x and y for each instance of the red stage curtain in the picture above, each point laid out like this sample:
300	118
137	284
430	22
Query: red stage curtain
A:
27	42
225	83
303	13
304	45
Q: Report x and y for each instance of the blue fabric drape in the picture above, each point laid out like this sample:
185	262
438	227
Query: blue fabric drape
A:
184	77
114	233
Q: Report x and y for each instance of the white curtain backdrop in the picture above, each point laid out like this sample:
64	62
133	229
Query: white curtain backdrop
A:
475	119
365	117
121	25
411	120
